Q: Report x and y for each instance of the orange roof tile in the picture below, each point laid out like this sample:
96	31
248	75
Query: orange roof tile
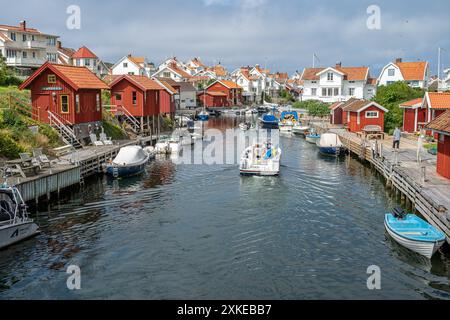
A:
413	70
441	123
214	93
230	84
350	73
181	72
311	73
84	53
16	28
439	100
168	87
77	77
143	82
411	103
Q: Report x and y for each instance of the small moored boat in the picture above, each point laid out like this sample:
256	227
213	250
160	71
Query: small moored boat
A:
269	121
130	160
300	129
203	116
312	137
413	233
15	225
261	159
245	126
330	144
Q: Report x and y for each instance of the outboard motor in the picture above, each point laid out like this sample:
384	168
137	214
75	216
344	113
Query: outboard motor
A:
399	213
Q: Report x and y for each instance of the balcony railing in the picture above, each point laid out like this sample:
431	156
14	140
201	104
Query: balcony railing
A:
19	61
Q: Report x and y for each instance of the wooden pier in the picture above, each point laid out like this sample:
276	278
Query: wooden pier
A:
409	174
70	170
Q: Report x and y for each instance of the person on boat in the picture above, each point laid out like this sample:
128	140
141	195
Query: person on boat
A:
397	137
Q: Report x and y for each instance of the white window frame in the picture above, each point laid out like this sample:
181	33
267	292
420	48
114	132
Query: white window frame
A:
368	116
389	72
351	91
330	76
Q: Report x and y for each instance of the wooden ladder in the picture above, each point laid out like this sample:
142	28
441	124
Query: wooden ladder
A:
65	132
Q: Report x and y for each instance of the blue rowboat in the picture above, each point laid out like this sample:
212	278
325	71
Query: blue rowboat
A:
413	233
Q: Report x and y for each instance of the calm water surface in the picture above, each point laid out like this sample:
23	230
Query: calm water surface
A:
204	232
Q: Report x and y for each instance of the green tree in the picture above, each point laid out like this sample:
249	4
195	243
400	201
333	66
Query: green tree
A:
3	71
315	108
390	97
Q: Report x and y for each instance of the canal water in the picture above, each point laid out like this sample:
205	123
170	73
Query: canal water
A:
203	232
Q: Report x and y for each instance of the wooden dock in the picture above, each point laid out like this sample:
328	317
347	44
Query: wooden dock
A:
416	182
70	170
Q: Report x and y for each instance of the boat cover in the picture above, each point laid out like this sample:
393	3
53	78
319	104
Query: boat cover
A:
330	140
286	114
270	118
130	155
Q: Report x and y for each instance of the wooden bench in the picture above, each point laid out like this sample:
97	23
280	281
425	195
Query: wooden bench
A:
61	151
372	132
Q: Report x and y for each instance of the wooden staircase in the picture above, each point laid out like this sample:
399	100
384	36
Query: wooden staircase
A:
65	132
129	122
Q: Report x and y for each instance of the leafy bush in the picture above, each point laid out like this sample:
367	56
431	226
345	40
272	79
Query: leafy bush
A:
8	146
113	131
391	97
315	108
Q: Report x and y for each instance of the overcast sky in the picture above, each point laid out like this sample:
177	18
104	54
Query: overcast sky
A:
282	34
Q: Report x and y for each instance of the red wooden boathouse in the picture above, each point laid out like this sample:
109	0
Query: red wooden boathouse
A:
414	116
215	93
360	113
71	95
441	127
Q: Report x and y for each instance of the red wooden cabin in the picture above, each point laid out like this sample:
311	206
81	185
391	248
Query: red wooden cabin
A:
436	104
70	94
414	116
212	99
362	113
336	113
441	127
232	91
167	96
139	95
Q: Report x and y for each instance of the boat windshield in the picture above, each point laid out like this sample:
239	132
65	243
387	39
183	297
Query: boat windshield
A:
7	206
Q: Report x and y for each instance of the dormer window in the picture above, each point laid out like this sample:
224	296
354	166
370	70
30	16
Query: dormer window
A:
330	76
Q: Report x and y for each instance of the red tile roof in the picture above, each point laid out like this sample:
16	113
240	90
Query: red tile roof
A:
18	28
168	87
350	73
412	103
76	77
84	53
413	70
142	82
438	100
214	93
181	72
230	84
441	123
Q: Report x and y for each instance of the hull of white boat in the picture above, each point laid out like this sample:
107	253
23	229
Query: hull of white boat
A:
174	148
427	249
162	148
285	128
11	234
256	172
312	140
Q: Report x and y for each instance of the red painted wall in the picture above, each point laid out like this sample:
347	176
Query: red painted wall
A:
234	96
126	89
338	116
409	118
355	127
166	102
443	158
212	101
43	100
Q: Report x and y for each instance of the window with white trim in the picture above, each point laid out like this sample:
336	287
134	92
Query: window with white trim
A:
314	92
330	76
372	114
351	91
391	72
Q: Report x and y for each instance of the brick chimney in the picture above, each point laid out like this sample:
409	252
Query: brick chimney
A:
338	65
23	25
398	60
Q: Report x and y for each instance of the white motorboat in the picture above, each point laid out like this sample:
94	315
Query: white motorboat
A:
261	159
15	225
330	144
300	129
162	145
245	126
130	160
174	145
